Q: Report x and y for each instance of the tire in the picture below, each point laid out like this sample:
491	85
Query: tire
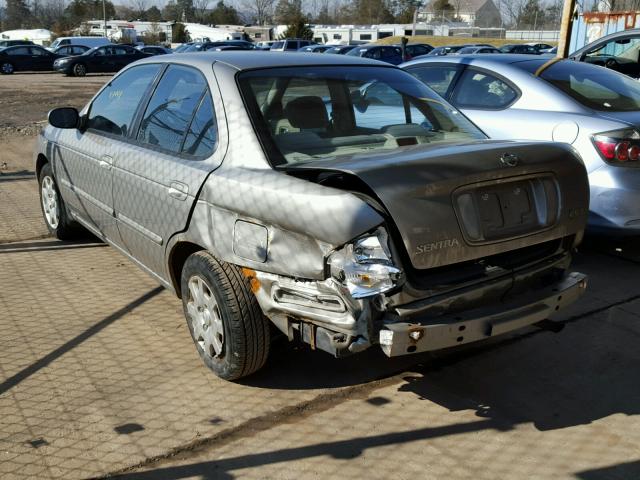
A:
227	326
53	208
79	70
7	68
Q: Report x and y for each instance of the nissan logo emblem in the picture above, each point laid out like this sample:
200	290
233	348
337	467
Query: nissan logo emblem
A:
509	159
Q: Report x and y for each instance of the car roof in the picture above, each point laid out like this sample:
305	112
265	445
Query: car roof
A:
247	60
485	59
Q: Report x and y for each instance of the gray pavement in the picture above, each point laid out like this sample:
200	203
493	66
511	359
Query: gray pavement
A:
98	376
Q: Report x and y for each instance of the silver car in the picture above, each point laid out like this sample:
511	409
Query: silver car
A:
266	188
523	97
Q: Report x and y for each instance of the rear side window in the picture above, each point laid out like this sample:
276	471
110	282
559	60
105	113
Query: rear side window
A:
171	108
18	51
437	77
292	45
202	135
114	108
483	91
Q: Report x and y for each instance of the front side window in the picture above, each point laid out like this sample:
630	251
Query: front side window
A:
483	91
311	113
114	108
437	77
39	51
171	108
622	50
292	45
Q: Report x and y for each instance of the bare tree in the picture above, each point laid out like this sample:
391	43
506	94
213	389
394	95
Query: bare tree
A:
261	9
139	7
200	9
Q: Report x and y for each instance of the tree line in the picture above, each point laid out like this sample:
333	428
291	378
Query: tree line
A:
62	16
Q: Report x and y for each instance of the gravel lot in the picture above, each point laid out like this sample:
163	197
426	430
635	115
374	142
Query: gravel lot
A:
99	377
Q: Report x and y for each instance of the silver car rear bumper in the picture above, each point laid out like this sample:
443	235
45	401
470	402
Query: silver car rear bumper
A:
428	334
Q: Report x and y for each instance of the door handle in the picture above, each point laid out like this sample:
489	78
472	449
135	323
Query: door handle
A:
178	190
106	161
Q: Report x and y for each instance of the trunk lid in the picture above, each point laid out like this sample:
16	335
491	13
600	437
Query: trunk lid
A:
455	203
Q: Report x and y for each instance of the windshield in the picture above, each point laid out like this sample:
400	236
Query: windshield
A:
594	87
304	114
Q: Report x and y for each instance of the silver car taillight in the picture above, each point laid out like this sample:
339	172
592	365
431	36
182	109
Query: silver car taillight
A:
618	146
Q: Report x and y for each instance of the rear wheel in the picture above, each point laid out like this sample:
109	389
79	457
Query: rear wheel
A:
6	68
226	323
79	70
53	208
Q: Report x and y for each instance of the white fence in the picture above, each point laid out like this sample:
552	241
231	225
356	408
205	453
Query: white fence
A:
540	35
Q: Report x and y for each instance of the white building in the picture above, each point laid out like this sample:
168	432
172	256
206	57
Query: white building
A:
345	34
198	32
116	28
38	36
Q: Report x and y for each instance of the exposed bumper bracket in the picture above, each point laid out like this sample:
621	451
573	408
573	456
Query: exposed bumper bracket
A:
402	338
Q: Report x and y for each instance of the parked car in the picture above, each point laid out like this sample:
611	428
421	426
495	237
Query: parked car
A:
416	49
26	58
289	45
90	42
519	48
340	49
415	234
106	59
154	50
619	51
445	50
384	53
70	50
477	50
183	47
315	48
553	50
540	47
265	45
594	109
13	43
204	46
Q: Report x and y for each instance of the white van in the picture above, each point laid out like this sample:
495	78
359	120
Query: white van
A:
86	41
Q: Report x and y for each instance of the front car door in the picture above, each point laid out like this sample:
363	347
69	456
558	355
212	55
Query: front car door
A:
158	180
85	158
101	59
42	59
20	58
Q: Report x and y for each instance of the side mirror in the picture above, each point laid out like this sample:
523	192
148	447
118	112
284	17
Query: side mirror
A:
66	117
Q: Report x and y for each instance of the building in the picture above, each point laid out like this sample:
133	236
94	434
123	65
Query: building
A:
163	30
38	36
476	13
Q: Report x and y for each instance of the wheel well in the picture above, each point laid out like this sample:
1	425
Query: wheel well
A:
41	161
177	258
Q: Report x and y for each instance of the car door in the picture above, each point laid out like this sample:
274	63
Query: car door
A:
20	58
157	181
99	60
85	158
41	59
123	56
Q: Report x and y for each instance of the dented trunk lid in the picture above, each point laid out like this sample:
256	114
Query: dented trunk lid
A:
454	203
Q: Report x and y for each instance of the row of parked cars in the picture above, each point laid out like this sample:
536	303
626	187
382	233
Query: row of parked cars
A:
353	203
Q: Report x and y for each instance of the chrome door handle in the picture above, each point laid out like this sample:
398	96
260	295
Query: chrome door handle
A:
178	190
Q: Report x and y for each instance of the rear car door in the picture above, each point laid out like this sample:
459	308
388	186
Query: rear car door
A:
41	58
158	179
85	159
20	58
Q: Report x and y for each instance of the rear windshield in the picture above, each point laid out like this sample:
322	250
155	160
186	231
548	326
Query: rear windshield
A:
303	114
594	87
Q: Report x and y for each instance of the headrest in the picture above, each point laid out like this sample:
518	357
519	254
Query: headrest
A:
306	113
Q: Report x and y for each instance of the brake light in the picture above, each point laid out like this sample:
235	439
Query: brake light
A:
619	146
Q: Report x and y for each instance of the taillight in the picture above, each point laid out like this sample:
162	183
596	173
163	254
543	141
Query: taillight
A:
618	146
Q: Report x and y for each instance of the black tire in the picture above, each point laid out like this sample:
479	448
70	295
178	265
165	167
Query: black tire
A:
65	229
79	70
7	68
245	346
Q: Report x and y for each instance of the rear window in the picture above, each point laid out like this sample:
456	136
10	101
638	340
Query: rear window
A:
305	114
594	87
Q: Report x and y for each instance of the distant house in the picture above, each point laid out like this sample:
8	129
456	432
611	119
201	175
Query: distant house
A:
477	13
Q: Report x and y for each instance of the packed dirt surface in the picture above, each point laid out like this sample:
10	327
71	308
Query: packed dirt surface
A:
25	98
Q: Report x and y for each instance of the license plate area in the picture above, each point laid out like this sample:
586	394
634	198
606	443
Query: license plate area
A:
489	212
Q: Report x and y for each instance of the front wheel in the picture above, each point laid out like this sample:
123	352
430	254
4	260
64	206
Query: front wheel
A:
226	323
53	208
79	70
6	68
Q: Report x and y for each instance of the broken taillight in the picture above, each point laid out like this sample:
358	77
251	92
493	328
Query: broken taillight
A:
618	146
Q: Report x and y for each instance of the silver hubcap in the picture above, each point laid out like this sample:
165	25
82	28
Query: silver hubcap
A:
204	315
7	68
80	69
50	202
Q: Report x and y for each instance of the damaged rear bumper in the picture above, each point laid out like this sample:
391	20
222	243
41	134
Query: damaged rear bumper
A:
425	334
